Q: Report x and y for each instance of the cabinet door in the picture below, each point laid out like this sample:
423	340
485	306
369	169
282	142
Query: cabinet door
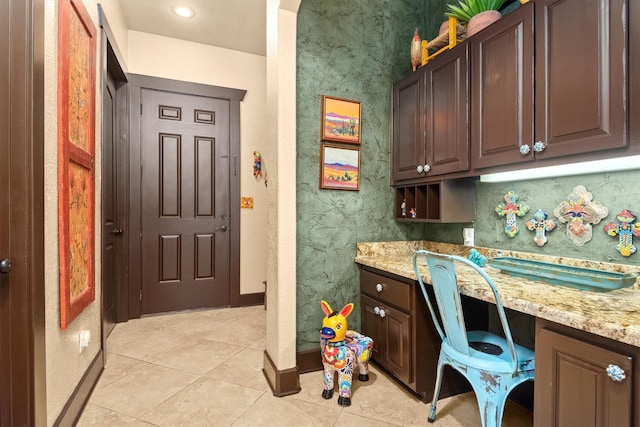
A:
447	112
408	127
502	90
390	330
396	327
371	326
572	387
581	82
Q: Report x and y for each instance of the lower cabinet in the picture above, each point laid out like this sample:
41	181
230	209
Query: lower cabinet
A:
574	385
406	344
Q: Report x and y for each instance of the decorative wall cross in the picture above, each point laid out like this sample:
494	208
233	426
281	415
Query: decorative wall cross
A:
580	211
510	208
540	224
625	229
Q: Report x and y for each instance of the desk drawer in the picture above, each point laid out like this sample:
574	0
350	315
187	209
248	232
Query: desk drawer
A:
393	291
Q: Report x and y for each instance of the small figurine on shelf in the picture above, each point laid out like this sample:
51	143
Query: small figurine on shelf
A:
416	50
403	208
412	211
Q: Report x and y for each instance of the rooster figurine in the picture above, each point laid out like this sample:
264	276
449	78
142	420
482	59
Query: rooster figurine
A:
416	50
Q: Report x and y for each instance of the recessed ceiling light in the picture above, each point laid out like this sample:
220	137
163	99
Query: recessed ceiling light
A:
183	11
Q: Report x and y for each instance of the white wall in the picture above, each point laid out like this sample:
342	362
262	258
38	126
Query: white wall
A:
158	56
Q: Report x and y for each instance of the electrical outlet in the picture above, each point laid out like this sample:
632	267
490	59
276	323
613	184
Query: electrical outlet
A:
84	337
468	236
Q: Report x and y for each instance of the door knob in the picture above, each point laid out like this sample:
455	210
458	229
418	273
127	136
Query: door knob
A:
5	266
116	231
223	228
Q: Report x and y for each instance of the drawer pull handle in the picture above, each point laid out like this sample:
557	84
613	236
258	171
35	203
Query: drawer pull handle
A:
382	313
376	310
616	373
379	287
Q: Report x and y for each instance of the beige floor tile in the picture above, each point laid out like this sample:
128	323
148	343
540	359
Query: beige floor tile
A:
236	333
255	317
311	387
151	346
260	343
229	313
197	325
118	367
206	402
97	416
244	368
142	390
273	411
197	357
346	419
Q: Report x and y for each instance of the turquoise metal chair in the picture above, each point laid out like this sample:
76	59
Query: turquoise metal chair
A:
493	365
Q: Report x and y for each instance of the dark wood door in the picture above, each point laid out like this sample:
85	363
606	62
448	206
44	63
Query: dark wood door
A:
185	201
372	325
581	79
572	387
408	151
502	91
114	211
396	329
22	358
447	117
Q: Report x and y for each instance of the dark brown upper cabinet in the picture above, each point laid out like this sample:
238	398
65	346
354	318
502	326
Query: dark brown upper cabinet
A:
550	80
430	119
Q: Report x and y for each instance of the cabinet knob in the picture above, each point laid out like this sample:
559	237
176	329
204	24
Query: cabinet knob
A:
376	310
616	373
525	149
419	169
382	313
379	287
539	146
426	168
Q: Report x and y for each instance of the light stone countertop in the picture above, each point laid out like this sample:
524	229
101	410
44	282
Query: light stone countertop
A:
613	314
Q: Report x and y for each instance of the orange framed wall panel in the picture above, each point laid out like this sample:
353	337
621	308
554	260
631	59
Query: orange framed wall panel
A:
76	158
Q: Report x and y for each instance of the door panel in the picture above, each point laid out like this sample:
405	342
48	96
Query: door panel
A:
110	240
185	201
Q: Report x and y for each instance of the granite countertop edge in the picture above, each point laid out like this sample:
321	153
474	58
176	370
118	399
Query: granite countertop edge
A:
614	314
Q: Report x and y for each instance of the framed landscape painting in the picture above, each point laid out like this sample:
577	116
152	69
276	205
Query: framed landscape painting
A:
340	120
340	168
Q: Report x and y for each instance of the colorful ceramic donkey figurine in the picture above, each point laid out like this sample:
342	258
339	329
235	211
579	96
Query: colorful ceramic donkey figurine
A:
341	350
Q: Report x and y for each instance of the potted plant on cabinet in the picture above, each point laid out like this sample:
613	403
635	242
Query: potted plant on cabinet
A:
477	14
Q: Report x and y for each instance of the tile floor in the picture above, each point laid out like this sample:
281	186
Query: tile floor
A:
204	368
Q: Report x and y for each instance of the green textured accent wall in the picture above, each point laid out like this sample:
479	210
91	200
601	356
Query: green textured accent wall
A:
353	50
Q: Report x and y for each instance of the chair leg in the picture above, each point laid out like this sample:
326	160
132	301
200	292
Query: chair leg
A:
436	392
491	401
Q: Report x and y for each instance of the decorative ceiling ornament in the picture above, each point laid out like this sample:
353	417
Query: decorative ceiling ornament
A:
510	208
579	211
625	229
540	224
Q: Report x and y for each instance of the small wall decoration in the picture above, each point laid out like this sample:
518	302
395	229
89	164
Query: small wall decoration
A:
259	171
340	120
510	208
246	202
540	224
580	211
339	168
625	229
76	158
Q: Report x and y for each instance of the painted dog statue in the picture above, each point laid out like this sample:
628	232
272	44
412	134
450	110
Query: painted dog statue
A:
341	351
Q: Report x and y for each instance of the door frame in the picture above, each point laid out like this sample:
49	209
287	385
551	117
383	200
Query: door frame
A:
112	62
136	84
24	302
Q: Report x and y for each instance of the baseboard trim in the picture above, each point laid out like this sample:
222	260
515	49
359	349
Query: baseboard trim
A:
282	383
309	361
251	299
77	401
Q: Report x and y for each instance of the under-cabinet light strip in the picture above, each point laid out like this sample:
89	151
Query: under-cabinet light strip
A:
582	168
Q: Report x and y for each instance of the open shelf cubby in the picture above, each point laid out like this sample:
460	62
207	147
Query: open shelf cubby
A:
452	200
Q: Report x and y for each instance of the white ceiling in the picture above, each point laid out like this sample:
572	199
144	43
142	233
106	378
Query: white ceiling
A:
231	24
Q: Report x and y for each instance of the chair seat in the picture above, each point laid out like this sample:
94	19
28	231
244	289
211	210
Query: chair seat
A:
497	363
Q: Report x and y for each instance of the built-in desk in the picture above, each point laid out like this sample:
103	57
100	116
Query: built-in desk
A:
565	318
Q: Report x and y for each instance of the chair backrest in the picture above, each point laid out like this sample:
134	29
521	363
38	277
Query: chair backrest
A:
445	286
